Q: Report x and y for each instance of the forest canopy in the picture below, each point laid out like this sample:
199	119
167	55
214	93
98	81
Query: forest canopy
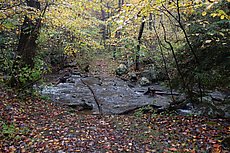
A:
191	37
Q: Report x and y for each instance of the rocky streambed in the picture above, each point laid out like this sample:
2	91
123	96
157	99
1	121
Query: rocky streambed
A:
111	94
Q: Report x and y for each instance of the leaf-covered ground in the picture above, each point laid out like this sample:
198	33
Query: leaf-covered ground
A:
35	125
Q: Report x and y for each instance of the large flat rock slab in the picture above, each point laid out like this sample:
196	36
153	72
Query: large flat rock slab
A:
113	94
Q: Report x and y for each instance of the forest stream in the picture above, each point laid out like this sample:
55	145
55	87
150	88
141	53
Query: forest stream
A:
100	91
113	95
103	92
107	76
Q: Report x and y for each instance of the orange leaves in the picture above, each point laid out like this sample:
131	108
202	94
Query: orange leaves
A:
55	128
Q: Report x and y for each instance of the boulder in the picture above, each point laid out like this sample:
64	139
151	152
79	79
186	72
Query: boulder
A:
144	81
150	74
162	102
210	108
215	104
227	112
121	69
133	77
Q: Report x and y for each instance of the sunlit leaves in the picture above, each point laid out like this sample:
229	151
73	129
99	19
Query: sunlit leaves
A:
12	14
78	19
69	50
204	13
221	14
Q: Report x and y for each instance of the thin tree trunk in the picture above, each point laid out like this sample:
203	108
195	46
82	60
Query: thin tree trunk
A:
120	3
188	42
185	86
150	21
141	30
104	29
164	61
118	32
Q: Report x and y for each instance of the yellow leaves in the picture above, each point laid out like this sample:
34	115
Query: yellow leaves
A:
204	13
127	7
69	50
1	27
2	15
198	1
71	14
221	14
222	17
32	17
214	14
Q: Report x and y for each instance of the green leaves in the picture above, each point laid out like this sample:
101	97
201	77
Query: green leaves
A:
8	130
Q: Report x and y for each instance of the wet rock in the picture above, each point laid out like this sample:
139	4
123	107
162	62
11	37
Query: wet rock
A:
122	69
116	97
206	99
64	78
80	107
92	81
144	81
217	96
120	98
113	94
73	78
71	64
184	112
70	94
189	106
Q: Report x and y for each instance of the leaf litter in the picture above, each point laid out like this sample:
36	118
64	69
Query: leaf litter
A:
36	125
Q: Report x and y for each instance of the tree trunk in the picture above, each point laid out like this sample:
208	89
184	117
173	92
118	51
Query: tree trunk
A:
27	45
150	21
120	3
29	34
103	27
137	62
118	32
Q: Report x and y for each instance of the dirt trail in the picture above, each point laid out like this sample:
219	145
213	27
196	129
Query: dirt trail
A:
103	66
